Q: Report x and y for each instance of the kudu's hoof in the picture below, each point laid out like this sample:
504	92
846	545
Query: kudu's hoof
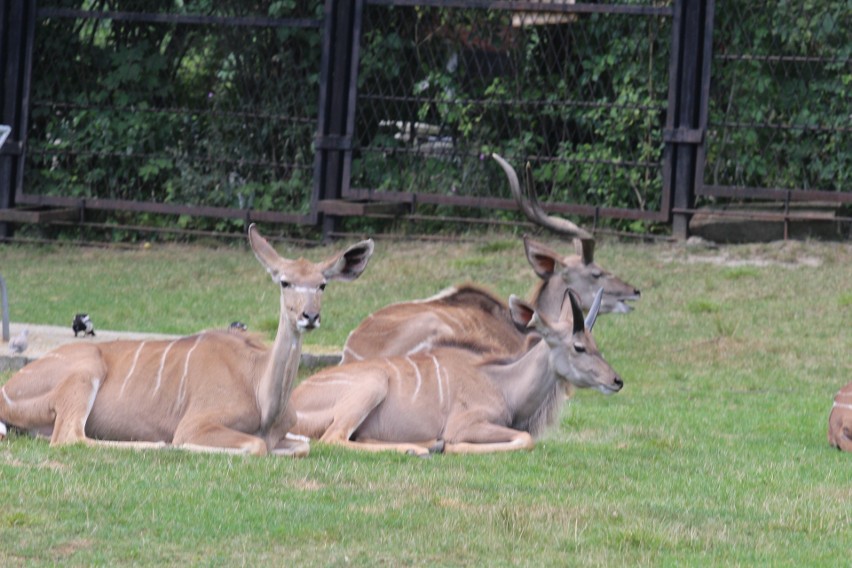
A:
438	448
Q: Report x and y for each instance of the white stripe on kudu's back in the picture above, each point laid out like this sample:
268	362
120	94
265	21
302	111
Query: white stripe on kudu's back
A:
396	373
182	388
352	353
417	376
6	397
334	383
162	365
132	367
440	382
96	384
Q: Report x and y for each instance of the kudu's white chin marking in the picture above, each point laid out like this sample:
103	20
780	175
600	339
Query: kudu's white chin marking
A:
622	308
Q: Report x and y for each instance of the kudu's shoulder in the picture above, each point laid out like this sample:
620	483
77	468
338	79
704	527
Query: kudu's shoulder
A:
472	296
236	339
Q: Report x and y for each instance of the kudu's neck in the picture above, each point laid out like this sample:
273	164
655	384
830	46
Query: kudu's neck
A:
279	374
548	298
529	385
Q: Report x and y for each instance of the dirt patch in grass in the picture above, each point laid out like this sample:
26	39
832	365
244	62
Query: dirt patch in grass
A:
67	549
788	254
308	485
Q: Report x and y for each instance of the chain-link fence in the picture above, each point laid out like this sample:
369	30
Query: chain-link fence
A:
580	96
781	103
211	113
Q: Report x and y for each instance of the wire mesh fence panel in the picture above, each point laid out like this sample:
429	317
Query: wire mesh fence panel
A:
209	105
580	96
780	99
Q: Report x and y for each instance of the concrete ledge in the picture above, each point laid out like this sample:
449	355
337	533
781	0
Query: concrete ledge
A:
13	363
45	338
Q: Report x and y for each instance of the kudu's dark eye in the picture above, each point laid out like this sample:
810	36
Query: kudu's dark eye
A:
285	284
322	287
579	348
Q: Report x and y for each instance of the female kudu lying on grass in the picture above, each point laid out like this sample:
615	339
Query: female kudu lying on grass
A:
215	391
840	420
452	398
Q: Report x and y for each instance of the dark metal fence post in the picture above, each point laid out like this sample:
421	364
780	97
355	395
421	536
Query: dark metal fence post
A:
4	308
686	121
17	31
338	89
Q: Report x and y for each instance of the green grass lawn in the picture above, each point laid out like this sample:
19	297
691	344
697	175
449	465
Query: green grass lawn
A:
714	453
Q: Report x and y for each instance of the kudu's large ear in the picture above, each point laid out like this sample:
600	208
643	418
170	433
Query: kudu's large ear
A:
543	259
263	251
522	313
349	264
592	316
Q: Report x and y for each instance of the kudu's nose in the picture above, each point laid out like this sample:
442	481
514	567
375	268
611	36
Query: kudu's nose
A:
311	319
618	382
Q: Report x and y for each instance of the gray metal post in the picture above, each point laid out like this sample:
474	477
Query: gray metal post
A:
686	122
17	33
4	299
338	86
4	306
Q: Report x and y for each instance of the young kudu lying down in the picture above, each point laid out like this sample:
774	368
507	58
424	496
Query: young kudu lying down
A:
215	391
471	314
453	398
840	420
